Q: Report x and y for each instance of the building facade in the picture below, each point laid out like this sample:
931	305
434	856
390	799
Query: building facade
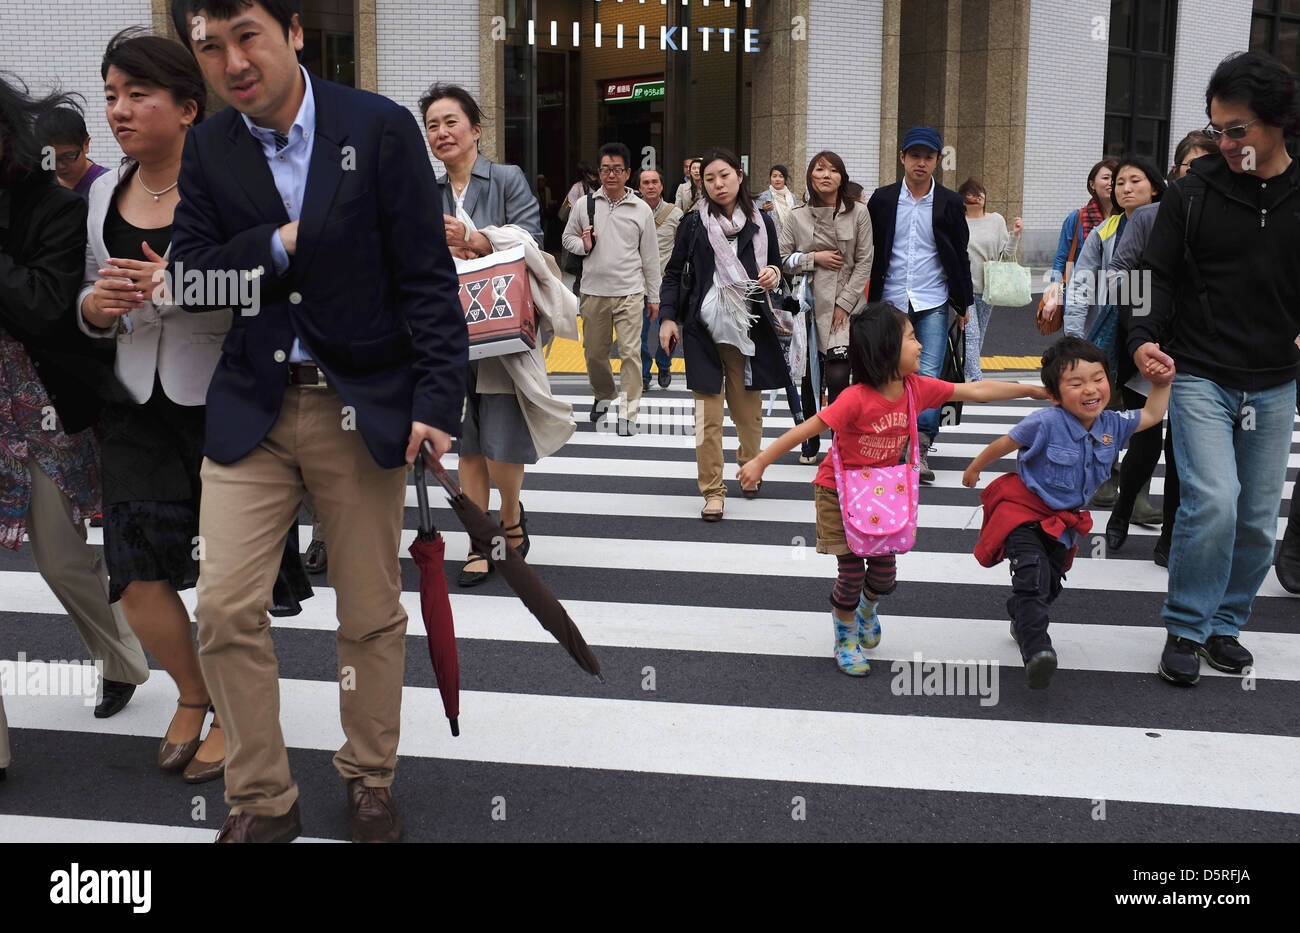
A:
1027	94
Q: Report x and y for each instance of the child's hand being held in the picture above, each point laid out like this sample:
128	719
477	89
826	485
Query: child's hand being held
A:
751	473
1039	392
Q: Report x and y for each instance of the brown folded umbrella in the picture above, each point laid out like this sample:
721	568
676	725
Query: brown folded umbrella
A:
488	537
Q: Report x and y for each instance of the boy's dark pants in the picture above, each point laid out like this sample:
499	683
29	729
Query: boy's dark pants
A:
1037	561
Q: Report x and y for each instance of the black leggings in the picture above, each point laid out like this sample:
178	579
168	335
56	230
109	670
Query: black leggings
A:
1140	460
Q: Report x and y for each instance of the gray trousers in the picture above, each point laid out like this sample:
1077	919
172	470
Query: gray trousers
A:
75	572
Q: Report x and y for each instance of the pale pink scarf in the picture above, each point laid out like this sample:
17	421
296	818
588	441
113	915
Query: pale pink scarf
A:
734	285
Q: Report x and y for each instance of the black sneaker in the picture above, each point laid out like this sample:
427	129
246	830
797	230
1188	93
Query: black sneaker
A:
1161	555
1225	653
1180	662
1040	668
598	409
665	378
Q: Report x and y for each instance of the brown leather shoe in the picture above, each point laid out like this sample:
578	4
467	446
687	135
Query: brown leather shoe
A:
249	827
199	771
173	756
372	815
316	560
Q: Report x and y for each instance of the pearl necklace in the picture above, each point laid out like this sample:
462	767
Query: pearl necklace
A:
139	176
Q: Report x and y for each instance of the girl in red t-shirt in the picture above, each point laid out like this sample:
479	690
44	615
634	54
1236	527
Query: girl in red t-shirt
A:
870	421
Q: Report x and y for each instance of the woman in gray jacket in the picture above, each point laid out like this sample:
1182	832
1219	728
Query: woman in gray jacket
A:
495	443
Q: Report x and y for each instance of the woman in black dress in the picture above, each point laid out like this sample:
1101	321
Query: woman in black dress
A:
152	448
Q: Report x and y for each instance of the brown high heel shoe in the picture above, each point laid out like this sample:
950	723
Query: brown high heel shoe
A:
173	756
200	772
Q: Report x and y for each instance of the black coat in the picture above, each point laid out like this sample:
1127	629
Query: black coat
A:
951	238
42	261
372	291
703	365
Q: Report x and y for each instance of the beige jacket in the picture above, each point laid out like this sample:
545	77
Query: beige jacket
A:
550	421
808	231
624	259
667	217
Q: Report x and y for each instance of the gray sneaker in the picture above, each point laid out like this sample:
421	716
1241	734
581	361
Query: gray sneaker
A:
927	474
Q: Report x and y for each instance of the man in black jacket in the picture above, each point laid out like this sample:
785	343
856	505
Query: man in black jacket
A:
920	264
1225	310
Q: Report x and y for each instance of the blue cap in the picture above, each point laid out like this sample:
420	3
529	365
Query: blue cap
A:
926	136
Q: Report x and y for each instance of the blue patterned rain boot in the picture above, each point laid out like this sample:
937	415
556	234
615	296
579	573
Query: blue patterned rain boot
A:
868	622
848	653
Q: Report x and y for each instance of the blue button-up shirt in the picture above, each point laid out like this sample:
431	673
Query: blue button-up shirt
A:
289	169
1064	463
914	274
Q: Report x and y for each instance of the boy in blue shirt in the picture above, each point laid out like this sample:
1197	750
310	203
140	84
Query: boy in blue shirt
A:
1034	516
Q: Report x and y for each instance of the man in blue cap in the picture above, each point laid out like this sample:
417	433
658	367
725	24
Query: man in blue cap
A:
920	264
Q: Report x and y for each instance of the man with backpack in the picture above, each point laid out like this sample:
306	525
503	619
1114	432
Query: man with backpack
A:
1225	308
615	231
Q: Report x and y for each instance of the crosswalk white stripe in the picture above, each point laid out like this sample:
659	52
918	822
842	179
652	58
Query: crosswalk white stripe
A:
1086	762
1114	648
797	558
71	831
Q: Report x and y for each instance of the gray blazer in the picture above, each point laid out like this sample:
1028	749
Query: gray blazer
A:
497	195
182	348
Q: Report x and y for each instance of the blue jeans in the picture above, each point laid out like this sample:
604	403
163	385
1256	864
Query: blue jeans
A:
1232	449
977	331
932	330
650	336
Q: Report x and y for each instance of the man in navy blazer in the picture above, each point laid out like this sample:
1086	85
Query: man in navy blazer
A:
920	264
353	354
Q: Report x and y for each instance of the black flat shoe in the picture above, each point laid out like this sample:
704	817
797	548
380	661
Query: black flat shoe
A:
522	528
598	409
1161	555
665	378
315	560
468	578
115	696
1116	531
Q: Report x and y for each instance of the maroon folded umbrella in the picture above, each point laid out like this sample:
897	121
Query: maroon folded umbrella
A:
488	537
428	550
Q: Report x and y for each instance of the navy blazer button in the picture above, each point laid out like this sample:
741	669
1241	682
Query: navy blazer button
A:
295	298
280	356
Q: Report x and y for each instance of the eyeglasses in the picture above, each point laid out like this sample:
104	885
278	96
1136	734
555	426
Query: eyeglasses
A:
1232	132
612	170
68	158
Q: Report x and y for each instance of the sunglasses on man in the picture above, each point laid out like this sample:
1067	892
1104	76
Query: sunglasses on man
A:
1232	132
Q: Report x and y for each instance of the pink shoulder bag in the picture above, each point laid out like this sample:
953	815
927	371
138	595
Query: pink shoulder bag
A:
879	504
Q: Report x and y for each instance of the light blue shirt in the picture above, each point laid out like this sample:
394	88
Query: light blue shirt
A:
289	169
914	273
1063	462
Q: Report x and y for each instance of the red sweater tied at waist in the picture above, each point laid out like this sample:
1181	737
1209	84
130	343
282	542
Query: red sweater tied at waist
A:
1008	504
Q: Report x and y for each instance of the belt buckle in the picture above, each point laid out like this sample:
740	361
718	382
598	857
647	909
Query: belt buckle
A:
318	381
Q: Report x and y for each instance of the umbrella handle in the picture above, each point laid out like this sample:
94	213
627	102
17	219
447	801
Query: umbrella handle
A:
422	498
439	471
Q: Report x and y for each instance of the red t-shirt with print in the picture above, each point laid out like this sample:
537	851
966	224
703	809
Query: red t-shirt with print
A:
872	431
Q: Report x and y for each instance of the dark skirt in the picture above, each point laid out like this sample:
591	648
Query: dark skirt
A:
152	453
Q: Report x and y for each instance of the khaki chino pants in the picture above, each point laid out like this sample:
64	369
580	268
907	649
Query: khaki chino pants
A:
602	318
746	407
246	510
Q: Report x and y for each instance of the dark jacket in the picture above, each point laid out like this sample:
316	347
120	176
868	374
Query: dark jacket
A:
372	290
42	258
1245	237
703	365
951	237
